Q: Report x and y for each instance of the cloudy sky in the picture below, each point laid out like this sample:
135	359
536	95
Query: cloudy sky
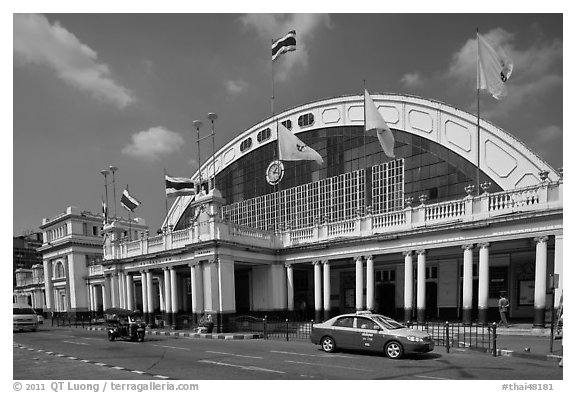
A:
94	90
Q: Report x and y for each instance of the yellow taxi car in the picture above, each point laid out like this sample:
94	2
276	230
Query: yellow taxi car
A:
372	332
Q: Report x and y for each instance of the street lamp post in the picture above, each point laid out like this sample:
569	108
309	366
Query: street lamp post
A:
198	124
113	169
213	116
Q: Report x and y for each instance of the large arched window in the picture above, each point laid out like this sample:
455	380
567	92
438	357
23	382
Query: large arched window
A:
59	271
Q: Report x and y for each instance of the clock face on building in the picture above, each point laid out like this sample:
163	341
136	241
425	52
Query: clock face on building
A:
275	172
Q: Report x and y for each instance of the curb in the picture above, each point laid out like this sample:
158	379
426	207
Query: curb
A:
210	336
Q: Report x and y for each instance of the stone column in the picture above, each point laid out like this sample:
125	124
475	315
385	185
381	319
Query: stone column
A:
359	284
106	292
167	297
150	295
326	275
483	283
421	284
290	287
48	288
114	290
540	281
370	283
408	286
558	269
317	292
173	295
467	287
129	291
122	289
196	289
144	287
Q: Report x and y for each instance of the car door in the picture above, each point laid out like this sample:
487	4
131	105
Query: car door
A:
368	335
343	332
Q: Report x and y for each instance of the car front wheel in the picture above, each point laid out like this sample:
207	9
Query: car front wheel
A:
328	344
394	350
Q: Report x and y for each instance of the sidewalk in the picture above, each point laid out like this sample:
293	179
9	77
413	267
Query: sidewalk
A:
525	341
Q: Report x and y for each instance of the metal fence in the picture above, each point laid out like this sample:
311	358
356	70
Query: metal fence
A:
445	334
459	335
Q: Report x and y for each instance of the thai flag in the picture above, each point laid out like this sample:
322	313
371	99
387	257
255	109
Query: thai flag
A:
283	45
128	201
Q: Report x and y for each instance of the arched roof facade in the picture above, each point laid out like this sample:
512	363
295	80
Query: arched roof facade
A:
507	161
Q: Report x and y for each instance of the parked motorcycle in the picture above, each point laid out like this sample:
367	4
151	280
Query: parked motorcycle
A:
124	324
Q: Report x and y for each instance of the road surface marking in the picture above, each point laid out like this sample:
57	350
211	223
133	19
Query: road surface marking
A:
313	355
74	342
424	376
251	368
167	346
233	354
328	365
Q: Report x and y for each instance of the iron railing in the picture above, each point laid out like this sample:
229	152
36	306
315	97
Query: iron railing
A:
481	337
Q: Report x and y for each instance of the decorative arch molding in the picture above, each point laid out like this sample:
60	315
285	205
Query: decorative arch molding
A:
507	160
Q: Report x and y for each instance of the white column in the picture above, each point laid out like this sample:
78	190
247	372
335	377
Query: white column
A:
558	268
193	288
370	283
467	288
114	290
144	283
150	292
48	288
326	276
130	292
290	287
317	288
421	284
408	285
107	292
174	290
122	289
167	291
483	281
359	284
540	280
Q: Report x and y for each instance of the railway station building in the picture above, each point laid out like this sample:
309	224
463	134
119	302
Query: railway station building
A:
413	237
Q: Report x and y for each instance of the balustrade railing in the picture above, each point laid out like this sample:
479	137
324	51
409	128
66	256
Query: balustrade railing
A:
465	209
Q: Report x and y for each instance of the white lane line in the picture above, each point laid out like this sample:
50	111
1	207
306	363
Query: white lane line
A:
424	376
167	346
313	355
233	354
328	365
160	376
74	342
138	372
251	368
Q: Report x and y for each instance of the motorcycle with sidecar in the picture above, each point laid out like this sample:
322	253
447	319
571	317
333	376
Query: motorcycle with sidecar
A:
124	324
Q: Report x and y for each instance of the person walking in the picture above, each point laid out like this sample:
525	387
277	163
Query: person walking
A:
503	305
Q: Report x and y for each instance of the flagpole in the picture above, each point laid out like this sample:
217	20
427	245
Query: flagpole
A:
364	135
276	151
478	113
165	195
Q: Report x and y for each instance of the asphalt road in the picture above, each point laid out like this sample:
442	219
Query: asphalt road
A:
59	353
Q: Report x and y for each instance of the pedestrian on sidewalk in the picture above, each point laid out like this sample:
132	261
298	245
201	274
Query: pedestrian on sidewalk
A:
503	305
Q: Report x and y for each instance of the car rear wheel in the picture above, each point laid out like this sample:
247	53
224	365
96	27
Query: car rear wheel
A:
394	350
328	344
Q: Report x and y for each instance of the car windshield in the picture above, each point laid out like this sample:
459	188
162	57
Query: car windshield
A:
22	311
388	323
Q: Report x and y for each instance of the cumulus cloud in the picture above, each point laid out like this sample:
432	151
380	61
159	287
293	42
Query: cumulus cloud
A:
236	87
270	26
413	79
153	144
39	42
537	69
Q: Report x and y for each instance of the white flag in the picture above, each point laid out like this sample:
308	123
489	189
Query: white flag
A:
375	121
291	148
494	68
